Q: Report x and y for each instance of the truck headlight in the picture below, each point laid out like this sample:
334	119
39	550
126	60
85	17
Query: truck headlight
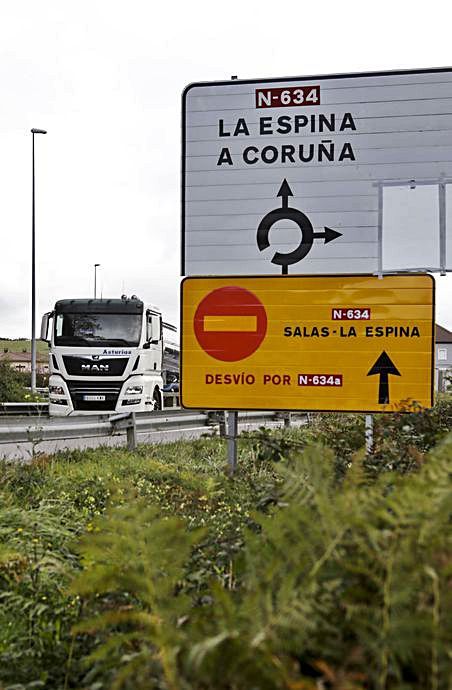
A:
56	390
134	390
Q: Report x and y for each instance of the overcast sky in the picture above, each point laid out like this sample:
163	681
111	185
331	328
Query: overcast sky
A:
105	79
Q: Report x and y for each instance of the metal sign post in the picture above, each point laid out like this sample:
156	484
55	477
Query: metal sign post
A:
232	440
369	434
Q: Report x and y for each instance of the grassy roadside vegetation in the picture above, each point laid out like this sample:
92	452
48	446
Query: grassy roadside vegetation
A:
313	568
22	345
14	385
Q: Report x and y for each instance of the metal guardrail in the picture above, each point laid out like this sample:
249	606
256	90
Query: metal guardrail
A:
43	392
170	401
24	408
35	430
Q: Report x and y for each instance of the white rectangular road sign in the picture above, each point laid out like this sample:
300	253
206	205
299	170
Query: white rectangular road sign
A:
285	175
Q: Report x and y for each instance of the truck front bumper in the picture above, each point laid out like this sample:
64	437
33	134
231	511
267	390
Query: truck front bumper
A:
97	397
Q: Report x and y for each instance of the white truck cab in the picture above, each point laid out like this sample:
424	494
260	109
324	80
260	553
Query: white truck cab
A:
106	356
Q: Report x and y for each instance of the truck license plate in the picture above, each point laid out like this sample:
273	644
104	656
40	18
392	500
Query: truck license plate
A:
94	398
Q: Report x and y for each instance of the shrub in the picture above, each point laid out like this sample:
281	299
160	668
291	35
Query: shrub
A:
36	613
349	587
12	384
310	568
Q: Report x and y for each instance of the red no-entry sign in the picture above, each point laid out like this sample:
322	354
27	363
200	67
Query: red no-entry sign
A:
230	323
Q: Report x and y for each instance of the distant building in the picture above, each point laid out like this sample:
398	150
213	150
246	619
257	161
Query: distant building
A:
21	361
443	356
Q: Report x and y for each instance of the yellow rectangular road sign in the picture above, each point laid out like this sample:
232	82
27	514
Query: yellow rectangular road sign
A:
353	343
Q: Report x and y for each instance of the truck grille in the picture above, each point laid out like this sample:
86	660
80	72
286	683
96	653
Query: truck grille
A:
86	366
109	389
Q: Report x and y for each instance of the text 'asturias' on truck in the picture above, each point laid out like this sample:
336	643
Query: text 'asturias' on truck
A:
107	355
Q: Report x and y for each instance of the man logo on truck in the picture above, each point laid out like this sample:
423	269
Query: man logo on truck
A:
95	367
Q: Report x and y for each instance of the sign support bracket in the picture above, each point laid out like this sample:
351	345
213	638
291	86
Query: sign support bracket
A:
442	226
442	217
380	230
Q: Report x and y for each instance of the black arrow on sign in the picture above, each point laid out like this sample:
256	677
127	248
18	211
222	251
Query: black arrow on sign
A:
328	234
285	192
383	366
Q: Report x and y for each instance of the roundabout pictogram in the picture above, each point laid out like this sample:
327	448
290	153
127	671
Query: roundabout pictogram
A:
308	235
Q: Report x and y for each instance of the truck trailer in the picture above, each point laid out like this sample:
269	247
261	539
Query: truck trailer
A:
107	356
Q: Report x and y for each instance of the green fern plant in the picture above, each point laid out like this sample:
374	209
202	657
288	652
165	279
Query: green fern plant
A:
35	611
345	587
133	564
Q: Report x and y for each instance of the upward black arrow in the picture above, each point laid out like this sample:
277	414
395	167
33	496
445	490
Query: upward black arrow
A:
383	366
285	192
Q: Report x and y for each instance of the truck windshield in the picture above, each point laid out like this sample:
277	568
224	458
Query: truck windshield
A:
83	329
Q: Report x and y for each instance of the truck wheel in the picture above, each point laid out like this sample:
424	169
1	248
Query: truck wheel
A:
157	401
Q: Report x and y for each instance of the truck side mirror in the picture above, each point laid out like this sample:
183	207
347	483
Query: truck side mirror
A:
153	328
45	326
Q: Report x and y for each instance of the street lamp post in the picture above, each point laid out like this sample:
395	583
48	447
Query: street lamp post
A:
33	266
95	279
